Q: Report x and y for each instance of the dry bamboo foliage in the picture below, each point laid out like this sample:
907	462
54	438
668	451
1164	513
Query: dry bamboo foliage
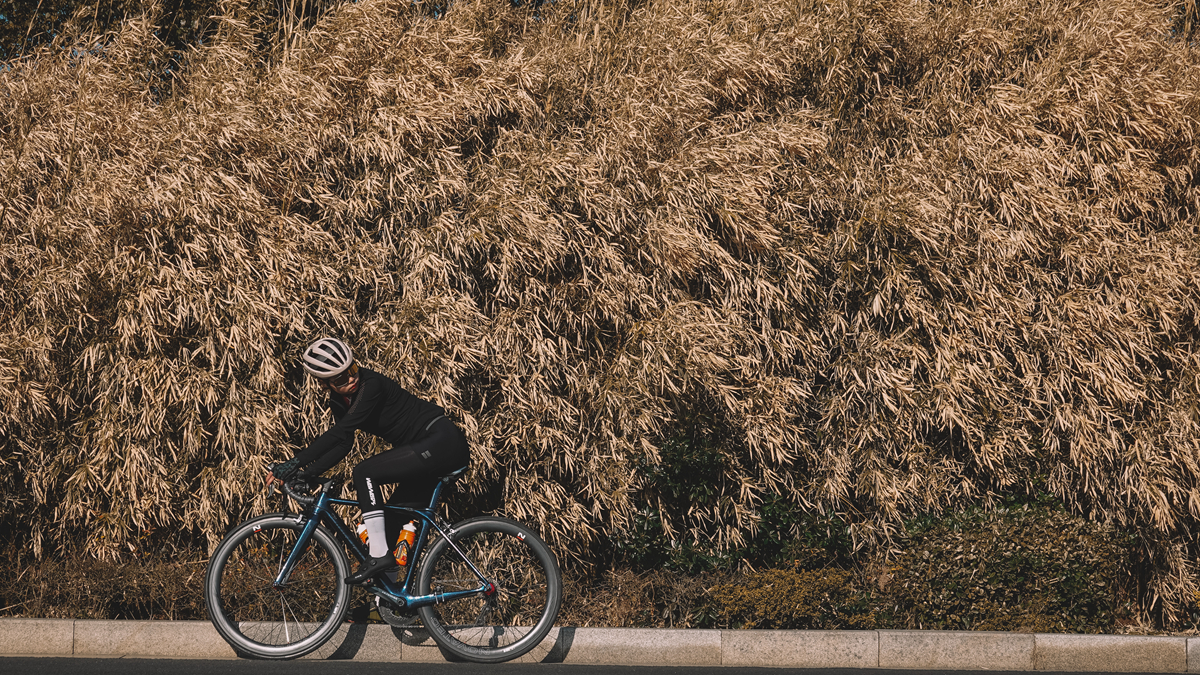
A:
910	255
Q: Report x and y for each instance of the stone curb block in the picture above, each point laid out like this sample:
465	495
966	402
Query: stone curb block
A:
643	647
800	648
361	642
36	637
1193	655
955	650
178	639
418	647
1111	653
925	650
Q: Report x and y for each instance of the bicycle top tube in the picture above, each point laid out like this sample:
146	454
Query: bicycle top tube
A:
427	513
424	513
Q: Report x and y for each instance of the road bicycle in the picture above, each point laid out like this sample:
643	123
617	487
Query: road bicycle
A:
487	589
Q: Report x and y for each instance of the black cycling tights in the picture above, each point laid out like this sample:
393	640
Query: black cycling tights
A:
416	468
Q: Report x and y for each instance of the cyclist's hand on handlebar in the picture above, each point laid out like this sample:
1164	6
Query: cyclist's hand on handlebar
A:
280	473
285	471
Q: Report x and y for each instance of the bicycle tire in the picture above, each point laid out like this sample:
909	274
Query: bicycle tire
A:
259	620
527	598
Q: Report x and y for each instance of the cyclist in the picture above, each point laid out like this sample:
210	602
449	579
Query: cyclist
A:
425	444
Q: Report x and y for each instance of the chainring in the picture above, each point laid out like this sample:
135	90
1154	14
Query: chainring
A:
393	615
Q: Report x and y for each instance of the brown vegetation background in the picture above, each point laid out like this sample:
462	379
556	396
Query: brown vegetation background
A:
895	257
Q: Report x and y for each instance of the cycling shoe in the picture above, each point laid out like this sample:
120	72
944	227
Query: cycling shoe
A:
371	568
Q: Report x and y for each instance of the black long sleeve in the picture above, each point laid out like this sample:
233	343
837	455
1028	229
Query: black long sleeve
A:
381	407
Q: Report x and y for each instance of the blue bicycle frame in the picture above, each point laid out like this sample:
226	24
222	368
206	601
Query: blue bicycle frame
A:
320	511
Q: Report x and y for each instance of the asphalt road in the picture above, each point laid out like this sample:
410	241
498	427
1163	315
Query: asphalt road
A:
110	666
102	666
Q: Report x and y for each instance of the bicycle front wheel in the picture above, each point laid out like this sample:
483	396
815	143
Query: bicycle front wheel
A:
519	608
258	618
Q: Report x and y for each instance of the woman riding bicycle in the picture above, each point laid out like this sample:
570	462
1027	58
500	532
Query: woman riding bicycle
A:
425	444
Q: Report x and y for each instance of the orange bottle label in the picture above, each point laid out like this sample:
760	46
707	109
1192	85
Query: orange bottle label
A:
407	538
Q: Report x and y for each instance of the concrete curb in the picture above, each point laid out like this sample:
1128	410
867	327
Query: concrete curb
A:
890	649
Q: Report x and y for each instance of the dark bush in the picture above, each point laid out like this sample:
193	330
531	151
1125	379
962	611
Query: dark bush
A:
677	527
652	599
1033	568
793	599
83	587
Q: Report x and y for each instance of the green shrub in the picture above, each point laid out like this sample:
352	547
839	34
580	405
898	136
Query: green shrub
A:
655	599
792	599
1033	568
682	504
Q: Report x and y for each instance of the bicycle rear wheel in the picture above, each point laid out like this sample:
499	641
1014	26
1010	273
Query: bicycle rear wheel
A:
507	622
259	619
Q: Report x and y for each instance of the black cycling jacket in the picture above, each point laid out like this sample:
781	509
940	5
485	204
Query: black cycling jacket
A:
381	407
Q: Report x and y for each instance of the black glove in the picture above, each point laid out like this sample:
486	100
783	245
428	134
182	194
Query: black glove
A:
285	471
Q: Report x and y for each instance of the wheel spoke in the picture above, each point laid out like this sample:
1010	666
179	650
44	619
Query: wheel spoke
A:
283	606
484	613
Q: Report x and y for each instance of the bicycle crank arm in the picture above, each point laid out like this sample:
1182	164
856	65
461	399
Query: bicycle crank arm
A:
400	600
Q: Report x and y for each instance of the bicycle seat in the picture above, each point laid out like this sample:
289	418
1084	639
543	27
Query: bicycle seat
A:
453	476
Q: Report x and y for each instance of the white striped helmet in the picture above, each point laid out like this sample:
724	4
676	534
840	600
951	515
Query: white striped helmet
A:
327	357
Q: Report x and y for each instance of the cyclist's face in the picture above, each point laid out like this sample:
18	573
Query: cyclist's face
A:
345	383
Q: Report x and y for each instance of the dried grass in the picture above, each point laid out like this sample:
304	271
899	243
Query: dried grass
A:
913	255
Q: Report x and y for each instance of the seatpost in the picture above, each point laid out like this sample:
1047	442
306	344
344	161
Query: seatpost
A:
437	495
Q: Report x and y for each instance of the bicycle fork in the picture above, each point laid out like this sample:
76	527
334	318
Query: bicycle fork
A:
285	570
311	518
